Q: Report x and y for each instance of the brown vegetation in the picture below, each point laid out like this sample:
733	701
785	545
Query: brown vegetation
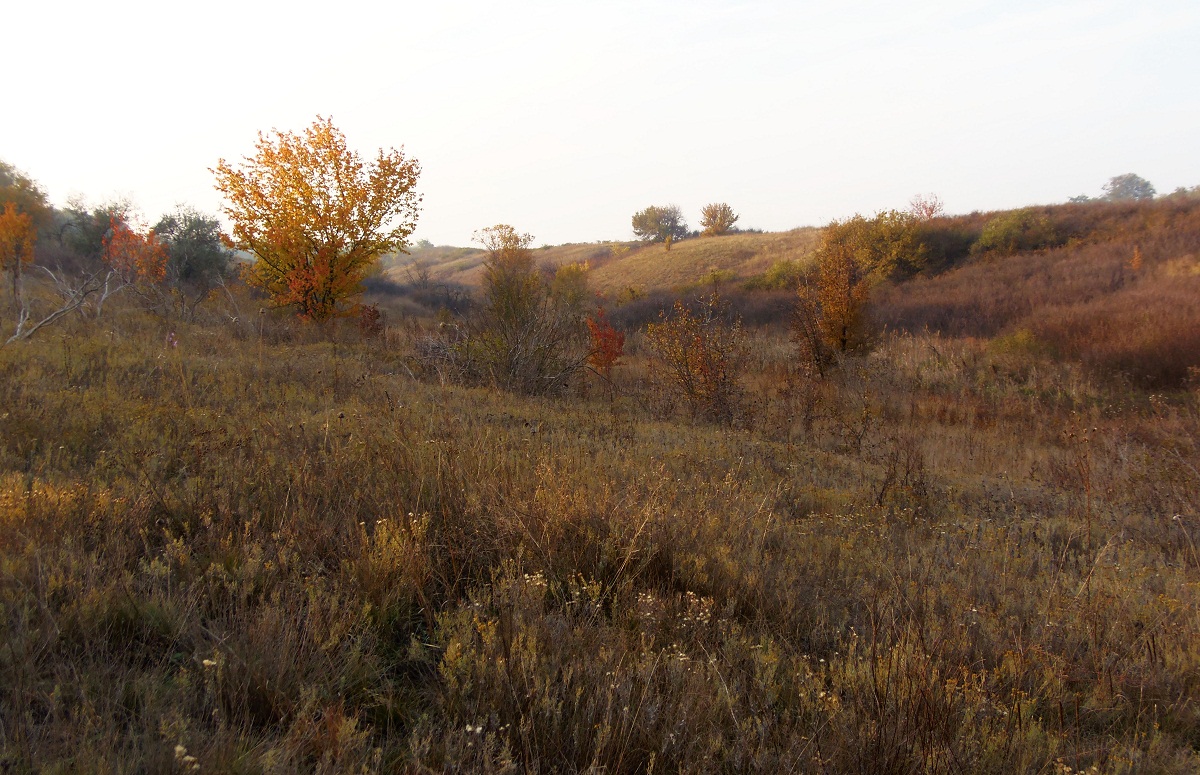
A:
244	544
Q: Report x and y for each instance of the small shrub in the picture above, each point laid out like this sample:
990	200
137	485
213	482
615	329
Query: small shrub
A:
699	355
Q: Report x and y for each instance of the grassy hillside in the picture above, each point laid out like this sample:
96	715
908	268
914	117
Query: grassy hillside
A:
1117	288
620	265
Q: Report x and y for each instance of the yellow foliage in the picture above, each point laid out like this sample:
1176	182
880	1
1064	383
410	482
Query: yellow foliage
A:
315	216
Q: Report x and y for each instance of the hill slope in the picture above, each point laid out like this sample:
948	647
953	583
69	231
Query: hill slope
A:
619	265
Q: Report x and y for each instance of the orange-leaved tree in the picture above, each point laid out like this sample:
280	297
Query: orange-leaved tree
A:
17	237
133	258
608	344
316	217
698	358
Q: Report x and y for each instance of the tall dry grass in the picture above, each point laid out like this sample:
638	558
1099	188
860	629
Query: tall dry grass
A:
271	549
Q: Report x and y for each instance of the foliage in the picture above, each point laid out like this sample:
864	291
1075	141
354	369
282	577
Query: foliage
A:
716	219
660	224
84	229
569	287
25	194
197	259
315	217
784	274
835	303
196	253
512	288
529	336
1016	230
887	246
926	207
854	256
1128	187
699	357
608	344
134	256
17	237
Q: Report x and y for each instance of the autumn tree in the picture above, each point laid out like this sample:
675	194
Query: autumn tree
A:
608	345
24	209
660	224
853	257
698	357
1016	230
315	217
25	194
716	219
17	236
134	259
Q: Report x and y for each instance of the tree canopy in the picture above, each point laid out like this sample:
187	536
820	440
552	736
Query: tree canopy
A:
659	224
196	254
315	217
1128	187
24	193
716	219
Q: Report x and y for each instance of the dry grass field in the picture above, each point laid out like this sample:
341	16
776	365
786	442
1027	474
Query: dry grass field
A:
267	547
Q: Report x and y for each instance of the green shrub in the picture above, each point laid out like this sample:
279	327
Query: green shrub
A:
1015	231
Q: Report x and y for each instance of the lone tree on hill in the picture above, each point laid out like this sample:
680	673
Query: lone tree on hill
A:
1128	187
316	217
660	224
716	219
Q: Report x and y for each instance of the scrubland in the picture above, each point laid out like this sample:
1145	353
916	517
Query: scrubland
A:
260	546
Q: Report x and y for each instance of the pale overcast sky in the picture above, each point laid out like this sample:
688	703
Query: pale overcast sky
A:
563	118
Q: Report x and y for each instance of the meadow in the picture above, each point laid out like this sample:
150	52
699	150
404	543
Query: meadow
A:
245	544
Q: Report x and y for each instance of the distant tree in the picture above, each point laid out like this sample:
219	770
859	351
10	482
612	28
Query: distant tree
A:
716	219
315	217
829	315
660	224
195	251
887	246
135	259
83	229
925	207
1080	199
1128	187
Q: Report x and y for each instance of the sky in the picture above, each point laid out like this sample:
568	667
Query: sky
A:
563	118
